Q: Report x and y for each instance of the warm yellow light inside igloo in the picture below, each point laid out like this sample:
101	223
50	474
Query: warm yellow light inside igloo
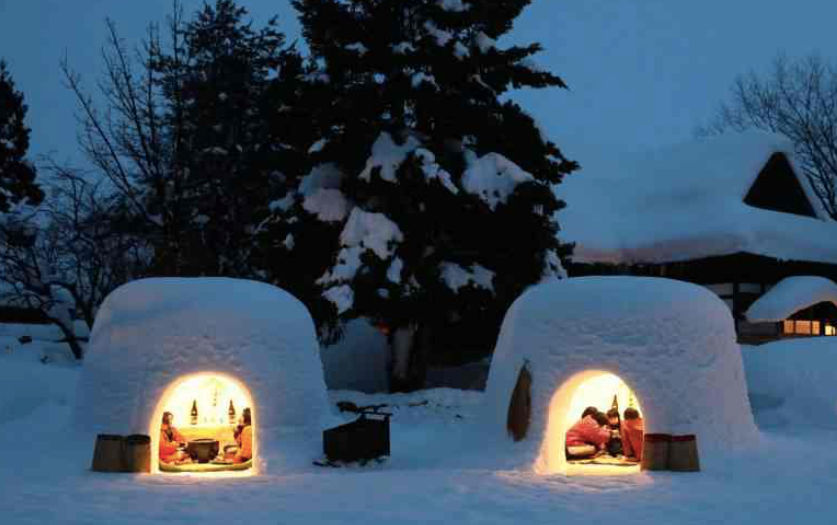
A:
216	401
591	388
205	406
599	391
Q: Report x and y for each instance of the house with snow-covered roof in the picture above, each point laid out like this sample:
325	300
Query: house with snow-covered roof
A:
732	213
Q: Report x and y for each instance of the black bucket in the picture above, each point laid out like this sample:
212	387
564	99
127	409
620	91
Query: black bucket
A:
137	453
360	440
108	453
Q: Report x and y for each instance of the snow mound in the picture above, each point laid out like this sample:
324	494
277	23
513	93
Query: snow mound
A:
44	332
358	361
791	295
151	333
793	382
28	386
673	343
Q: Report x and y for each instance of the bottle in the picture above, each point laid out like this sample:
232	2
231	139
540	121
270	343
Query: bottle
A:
194	418
231	413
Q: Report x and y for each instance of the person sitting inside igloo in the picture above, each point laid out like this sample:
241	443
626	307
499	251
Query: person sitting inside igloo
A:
589	435
614	423
171	442
632	429
244	438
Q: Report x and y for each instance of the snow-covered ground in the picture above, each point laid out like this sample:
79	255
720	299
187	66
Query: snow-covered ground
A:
441	471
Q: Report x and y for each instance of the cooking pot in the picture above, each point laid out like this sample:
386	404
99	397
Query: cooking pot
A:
203	450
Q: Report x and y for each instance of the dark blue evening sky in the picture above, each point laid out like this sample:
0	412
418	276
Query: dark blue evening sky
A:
642	72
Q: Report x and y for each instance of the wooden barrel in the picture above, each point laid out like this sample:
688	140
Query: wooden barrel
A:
655	451
683	454
137	453
107	455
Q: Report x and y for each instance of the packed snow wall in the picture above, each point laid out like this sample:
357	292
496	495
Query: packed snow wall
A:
151	334
793	382
673	343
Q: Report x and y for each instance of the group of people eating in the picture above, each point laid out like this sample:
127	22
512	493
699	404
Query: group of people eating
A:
598	433
173	444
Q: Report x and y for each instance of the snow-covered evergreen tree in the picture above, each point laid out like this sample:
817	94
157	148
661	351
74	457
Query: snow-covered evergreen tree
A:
224	84
438	192
17	175
188	136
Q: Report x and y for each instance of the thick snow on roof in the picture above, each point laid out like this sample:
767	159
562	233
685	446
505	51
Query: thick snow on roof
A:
686	202
151	333
793	382
671	342
791	295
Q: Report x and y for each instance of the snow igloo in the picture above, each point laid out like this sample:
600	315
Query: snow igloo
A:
665	348
207	351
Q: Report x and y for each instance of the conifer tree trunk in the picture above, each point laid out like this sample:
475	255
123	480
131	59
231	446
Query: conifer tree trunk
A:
410	347
401	344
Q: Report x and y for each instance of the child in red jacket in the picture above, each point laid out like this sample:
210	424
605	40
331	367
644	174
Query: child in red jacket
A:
588	436
633	429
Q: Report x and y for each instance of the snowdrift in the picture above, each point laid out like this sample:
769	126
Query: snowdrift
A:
793	382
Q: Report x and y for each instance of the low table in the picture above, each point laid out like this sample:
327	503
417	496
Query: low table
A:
205	467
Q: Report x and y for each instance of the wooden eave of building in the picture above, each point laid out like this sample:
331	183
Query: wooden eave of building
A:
745	277
734	267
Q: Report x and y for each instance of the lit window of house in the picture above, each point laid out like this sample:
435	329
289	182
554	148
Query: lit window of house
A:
791	327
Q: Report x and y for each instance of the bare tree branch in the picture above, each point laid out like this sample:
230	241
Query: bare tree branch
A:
798	100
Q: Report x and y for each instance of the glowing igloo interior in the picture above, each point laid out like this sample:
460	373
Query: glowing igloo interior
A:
589	389
204	406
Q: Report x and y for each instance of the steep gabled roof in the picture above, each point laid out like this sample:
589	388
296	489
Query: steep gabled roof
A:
699	199
777	188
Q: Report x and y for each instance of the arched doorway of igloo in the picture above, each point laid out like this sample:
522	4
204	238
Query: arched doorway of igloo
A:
579	442
204	423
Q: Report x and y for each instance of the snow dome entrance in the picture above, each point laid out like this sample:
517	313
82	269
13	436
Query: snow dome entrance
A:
672	343
204	423
582	441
